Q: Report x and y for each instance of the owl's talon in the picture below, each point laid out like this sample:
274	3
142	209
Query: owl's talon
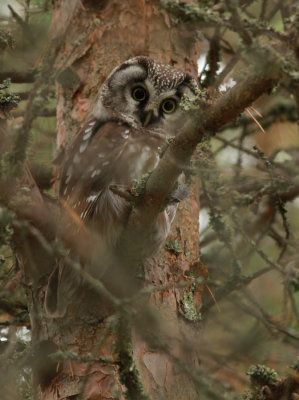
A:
179	194
122	192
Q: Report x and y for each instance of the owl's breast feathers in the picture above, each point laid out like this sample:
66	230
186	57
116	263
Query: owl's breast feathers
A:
110	153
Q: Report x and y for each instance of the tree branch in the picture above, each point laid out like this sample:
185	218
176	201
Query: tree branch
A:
212	116
199	18
18	76
199	122
23	24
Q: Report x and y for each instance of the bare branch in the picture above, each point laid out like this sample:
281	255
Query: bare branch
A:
162	180
23	24
18	76
236	20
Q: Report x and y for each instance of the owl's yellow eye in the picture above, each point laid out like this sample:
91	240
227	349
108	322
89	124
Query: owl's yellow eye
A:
168	106
139	93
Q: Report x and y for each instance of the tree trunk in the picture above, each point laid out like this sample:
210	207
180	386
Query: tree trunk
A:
89	38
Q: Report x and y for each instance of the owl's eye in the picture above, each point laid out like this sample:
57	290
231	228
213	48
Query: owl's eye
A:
139	93
168	106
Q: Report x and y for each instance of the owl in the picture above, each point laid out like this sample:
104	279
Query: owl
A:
137	108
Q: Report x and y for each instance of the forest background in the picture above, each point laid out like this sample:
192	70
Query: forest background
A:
244	172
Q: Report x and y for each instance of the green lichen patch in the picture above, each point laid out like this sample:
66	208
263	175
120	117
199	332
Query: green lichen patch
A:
199	100
189	309
295	365
261	375
294	282
128	371
8	100
163	148
6	231
6	40
138	185
173	246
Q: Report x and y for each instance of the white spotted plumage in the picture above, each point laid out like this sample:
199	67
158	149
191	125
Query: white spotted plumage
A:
120	143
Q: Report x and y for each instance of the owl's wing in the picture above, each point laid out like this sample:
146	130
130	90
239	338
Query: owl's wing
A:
102	155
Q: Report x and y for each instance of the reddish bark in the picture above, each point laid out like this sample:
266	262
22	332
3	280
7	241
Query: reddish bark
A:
90	38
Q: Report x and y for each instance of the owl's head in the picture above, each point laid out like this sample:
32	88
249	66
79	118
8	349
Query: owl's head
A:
143	92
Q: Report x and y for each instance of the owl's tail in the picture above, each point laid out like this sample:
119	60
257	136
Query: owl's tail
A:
63	284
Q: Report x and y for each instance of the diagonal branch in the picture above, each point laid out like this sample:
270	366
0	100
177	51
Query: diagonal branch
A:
161	182
212	117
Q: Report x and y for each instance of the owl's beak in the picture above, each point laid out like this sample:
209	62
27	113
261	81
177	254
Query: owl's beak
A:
148	118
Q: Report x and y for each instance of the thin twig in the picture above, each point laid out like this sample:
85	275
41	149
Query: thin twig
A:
263	9
23	24
255	120
18	76
237	22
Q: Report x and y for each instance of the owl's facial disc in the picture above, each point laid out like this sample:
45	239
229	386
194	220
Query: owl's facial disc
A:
156	106
146	94
155	111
